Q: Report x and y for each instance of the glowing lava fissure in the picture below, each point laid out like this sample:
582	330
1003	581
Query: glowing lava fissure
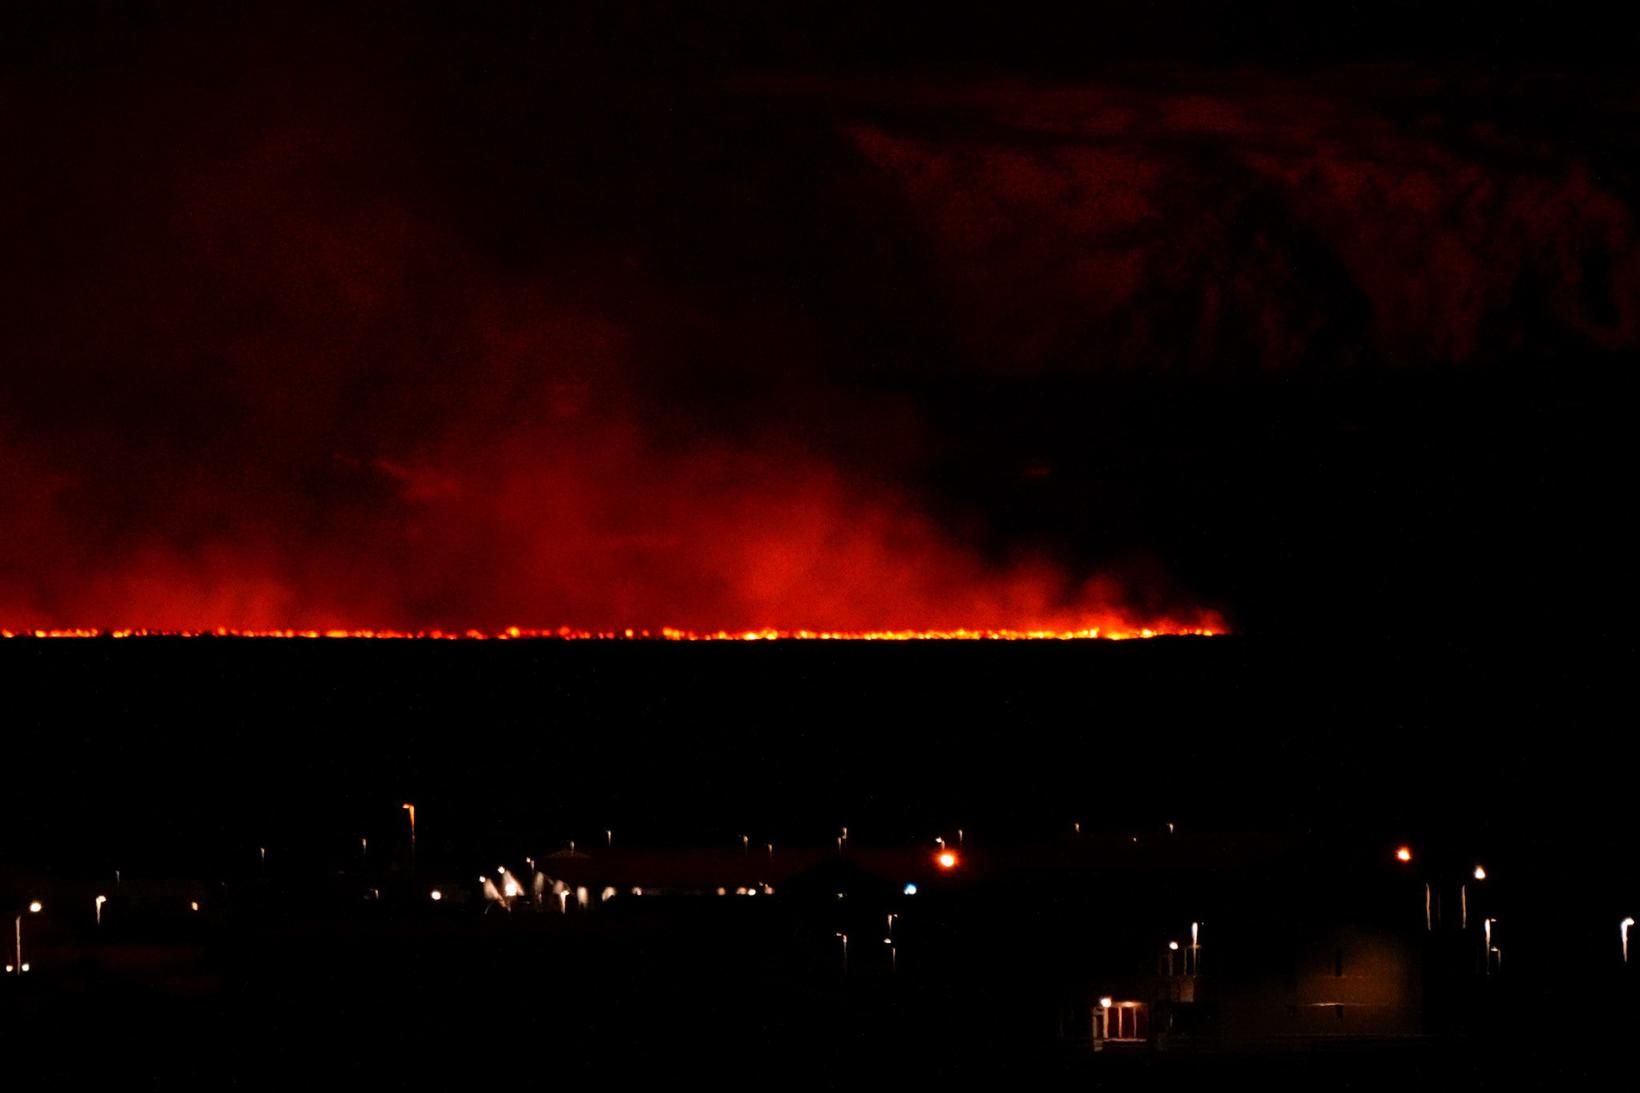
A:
514	633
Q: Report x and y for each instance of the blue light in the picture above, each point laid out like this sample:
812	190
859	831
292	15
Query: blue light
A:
910	889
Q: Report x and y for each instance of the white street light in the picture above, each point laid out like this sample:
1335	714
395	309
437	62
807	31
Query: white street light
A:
1623	929
34	909
100	901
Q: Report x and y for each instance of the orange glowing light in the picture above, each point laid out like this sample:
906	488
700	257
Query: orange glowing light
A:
946	859
1403	853
665	633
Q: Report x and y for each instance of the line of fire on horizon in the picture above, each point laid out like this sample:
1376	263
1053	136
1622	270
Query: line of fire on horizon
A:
566	633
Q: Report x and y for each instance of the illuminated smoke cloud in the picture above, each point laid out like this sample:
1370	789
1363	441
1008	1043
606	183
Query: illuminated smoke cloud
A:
291	354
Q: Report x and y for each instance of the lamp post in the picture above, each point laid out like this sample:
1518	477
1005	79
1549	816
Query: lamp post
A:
34	908
100	901
1623	933
411	809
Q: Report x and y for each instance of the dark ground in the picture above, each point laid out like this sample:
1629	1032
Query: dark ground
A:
169	758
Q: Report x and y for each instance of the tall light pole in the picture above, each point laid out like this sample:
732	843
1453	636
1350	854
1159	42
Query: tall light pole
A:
33	909
411	809
1623	932
100	901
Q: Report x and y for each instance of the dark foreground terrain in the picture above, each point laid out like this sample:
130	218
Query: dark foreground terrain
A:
264	781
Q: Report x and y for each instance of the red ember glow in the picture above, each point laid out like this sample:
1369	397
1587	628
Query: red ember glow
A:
514	633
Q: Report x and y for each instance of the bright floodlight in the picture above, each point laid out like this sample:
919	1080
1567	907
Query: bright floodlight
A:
193	905
1173	946
435	895
1106	1002
25	967
910	889
1480	872
34	907
1403	854
946	859
511	888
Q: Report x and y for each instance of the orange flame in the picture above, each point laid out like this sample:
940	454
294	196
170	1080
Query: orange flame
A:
514	633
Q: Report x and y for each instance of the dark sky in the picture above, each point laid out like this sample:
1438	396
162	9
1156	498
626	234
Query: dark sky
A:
811	315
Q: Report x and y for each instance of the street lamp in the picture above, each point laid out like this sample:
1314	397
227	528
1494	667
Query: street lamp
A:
410	808
34	908
100	901
1623	931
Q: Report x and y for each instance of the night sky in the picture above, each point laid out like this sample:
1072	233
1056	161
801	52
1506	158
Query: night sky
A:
815	316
